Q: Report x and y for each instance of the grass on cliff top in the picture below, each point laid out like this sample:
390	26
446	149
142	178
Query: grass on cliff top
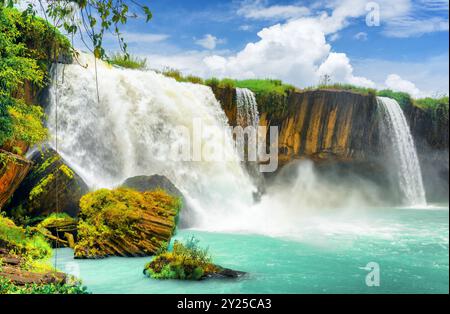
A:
128	61
344	87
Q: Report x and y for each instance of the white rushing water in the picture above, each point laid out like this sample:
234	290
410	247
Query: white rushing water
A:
119	136
407	162
247	108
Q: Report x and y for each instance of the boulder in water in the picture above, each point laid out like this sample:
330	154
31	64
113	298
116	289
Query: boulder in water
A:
151	183
124	222
49	176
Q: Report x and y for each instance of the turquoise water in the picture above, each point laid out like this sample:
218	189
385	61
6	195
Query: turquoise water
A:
410	246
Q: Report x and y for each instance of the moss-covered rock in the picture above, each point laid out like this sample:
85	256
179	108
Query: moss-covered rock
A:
50	187
187	262
124	222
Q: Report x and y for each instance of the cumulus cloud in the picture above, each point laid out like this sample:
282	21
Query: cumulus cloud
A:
209	42
396	83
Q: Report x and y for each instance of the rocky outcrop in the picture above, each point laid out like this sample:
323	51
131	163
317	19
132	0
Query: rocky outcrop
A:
124	222
51	186
13	169
152	183
430	129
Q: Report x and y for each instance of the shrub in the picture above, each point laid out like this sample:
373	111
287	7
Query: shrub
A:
7	287
185	262
266	87
18	240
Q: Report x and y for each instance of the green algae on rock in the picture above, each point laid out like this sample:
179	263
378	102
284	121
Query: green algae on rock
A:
124	222
49	176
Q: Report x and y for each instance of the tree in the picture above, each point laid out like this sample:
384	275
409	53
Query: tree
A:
89	19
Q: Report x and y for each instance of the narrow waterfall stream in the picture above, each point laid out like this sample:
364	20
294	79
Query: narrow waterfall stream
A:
402	143
247	108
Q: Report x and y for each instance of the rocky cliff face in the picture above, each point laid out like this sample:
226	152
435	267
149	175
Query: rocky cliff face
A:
323	125
431	134
342	128
13	169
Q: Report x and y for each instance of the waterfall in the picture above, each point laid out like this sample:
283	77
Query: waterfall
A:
119	135
247	108
405	155
248	115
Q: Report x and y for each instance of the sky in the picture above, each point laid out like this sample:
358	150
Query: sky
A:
402	45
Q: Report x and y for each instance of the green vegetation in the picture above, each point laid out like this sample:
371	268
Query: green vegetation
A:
125	222
404	99
185	262
432	103
26	44
7	287
57	219
31	246
223	83
268	86
128	61
179	77
345	87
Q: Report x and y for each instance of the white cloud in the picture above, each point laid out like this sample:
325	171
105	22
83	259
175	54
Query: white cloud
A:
396	83
209	42
258	10
339	68
361	36
408	27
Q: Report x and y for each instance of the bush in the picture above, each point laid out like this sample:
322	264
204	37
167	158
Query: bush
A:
128	62
20	241
185	262
7	287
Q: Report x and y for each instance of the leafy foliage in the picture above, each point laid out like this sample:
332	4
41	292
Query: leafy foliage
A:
25	44
7	287
18	240
186	261
97	18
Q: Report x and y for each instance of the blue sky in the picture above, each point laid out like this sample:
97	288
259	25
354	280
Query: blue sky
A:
300	41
